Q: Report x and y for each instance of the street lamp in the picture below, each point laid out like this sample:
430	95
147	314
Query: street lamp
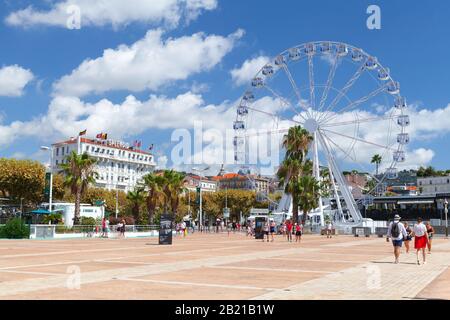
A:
50	198
200	186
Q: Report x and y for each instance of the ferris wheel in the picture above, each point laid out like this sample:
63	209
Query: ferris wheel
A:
347	101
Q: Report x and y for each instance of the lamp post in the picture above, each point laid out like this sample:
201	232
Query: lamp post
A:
200	171
50	198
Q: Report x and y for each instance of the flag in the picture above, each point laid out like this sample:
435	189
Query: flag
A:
83	133
102	136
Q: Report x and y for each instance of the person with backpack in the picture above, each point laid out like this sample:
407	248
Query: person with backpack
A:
397	232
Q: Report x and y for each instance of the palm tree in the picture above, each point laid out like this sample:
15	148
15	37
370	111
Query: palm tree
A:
78	175
309	191
136	198
154	184
376	159
173	187
296	143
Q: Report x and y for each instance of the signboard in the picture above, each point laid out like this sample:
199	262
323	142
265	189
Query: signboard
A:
259	227
165	230
226	213
255	212
48	176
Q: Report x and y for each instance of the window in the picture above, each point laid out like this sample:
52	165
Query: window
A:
57	151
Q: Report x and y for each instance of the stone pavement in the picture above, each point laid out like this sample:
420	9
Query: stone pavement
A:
219	267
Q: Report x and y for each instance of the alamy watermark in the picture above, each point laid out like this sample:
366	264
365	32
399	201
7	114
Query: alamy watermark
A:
73	21
213	146
374	20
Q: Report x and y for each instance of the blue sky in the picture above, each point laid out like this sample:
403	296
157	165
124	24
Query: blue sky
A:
413	43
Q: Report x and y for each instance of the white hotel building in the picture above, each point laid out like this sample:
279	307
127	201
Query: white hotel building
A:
118	166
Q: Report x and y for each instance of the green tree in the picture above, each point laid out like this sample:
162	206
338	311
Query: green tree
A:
154	185
377	159
22	180
136	198
79	174
309	192
173	187
296	143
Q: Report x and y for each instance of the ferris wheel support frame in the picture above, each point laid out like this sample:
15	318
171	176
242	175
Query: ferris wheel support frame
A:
349	200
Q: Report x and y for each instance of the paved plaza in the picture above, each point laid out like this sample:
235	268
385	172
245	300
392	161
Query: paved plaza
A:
219	267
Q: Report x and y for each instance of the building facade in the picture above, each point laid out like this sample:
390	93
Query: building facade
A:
191	182
119	166
237	181
433	185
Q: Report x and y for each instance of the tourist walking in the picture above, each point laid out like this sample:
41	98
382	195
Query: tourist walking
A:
272	229
249	230
289	227
122	230
266	231
298	232
105	226
430	231
397	233
420	240
408	237
329	230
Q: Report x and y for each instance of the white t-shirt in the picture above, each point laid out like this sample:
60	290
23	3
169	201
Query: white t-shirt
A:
420	230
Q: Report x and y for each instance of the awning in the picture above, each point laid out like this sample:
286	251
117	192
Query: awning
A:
417	202
40	211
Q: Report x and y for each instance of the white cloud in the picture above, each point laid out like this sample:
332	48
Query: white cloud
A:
116	13
66	116
13	80
248	70
147	64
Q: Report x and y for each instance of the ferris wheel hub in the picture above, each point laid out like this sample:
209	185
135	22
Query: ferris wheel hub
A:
311	125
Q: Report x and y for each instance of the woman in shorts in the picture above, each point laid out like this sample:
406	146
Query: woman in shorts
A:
298	232
408	237
272	229
430	231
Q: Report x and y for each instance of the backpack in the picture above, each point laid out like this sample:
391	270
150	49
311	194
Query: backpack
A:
395	231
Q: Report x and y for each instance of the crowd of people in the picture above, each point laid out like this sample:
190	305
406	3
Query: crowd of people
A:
401	233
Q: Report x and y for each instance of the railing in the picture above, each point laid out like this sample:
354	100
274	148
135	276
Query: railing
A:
60	229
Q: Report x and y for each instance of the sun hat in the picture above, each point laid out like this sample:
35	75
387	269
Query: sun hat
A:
397	217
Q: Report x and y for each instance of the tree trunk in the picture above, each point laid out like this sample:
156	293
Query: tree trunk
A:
294	209
77	216
136	212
